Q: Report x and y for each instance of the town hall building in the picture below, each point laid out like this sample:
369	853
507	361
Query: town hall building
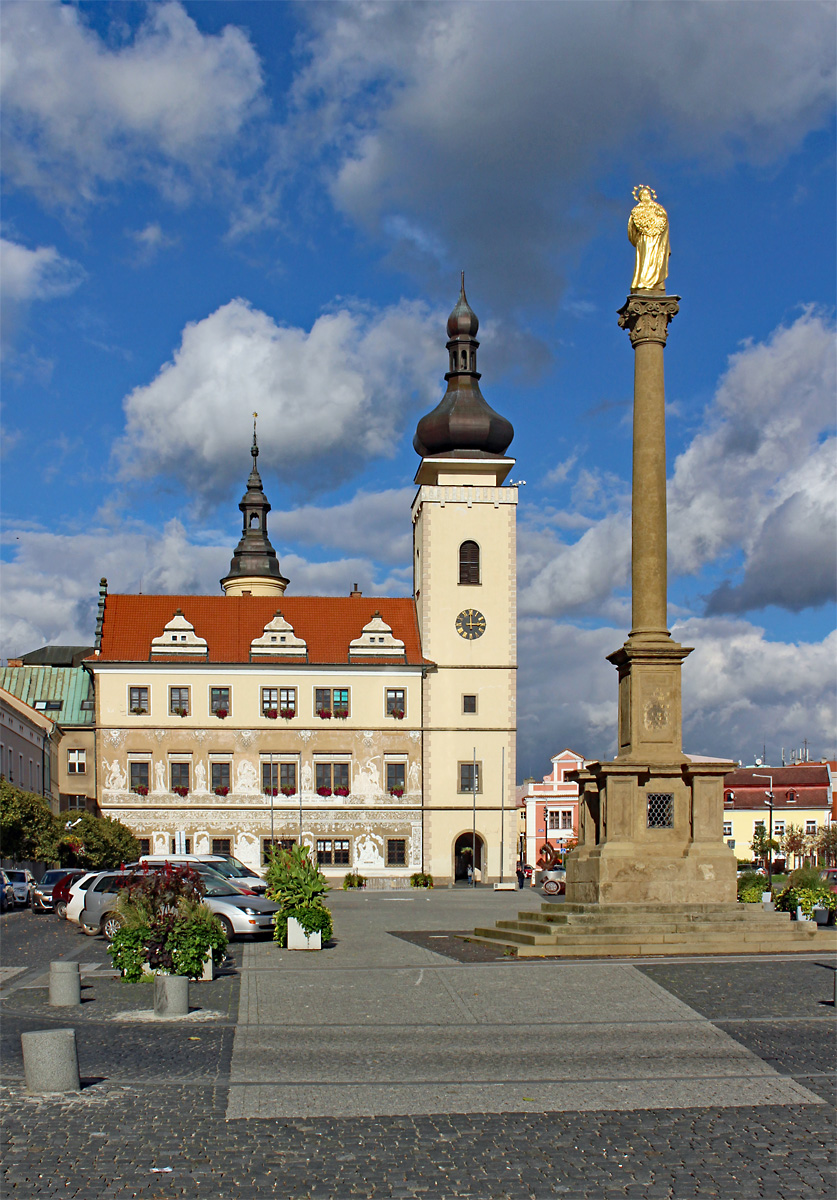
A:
379	731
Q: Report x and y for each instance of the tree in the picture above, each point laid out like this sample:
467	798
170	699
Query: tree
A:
826	844
793	844
98	843
762	845
28	829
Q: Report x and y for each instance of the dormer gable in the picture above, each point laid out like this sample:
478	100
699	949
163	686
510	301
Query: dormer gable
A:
178	637
376	640
278	640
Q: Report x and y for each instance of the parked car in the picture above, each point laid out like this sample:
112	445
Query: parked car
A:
554	881
230	868
75	901
238	912
7	892
42	891
829	876
22	882
61	892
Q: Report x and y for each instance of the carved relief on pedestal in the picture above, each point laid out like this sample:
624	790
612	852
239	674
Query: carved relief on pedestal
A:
367	780
655	713
369	851
116	779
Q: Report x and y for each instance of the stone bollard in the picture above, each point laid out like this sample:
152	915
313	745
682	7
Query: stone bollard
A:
208	969
171	996
64	983
50	1060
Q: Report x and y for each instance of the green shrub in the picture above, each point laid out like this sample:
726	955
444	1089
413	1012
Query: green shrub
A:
751	895
295	883
749	882
805	877
353	880
806	898
127	952
421	879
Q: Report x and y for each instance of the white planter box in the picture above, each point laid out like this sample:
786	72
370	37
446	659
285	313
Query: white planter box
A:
505	887
298	939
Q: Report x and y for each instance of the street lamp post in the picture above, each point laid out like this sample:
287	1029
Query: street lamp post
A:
770	799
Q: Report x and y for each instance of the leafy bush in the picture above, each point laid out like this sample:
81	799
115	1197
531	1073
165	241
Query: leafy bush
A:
165	925
805	877
751	895
751	881
296	884
806	898
421	879
353	880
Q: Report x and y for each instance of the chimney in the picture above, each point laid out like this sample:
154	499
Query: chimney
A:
355	591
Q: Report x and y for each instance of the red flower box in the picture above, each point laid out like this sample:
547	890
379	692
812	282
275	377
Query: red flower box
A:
181	791
287	790
270	713
323	791
222	791
141	789
221	712
396	791
341	791
398	713
287	713
324	714
271	791
341	712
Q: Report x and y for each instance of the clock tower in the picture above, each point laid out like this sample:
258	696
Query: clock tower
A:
465	586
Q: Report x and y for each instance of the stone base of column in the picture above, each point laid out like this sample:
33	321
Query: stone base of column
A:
651	833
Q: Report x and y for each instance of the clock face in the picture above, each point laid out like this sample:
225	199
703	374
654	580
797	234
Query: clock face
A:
470	624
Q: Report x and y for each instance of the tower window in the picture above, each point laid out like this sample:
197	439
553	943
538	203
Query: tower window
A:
463	359
469	563
254	520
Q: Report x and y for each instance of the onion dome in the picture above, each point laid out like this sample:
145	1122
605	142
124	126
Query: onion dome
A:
254	558
462	422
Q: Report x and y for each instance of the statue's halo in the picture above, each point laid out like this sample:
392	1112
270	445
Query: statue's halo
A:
641	187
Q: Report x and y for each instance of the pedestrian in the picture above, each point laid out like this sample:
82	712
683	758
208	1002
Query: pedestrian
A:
470	874
521	876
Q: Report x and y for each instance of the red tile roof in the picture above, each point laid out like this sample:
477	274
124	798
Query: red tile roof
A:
230	623
808	781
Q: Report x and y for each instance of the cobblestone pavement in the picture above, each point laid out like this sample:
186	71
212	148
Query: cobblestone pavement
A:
150	1124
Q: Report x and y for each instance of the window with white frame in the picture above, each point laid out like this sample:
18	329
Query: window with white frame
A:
220	700
138	775
220	770
396	852
779	828
396	776
179	701
470	777
270	701
396	705
727	828
138	701
77	762
333	852
77	802
810	827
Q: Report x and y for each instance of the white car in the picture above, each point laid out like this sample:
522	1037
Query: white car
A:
237	873
22	882
77	894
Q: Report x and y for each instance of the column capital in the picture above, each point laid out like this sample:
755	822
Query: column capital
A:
647	317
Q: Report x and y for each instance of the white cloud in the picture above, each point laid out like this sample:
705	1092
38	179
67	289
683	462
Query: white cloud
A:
375	524
761	474
418	110
150	240
329	399
28	275
80	112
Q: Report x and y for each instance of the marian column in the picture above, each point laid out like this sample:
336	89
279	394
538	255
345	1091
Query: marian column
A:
652	819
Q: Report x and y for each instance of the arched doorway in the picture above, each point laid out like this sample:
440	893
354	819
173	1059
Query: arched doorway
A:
463	854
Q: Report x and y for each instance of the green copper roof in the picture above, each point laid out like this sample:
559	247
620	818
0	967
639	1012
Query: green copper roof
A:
37	686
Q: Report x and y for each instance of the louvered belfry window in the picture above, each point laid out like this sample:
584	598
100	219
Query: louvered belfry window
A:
469	563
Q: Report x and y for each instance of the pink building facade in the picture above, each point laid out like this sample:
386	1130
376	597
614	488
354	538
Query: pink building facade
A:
552	807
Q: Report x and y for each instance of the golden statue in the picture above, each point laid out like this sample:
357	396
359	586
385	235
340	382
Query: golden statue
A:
648	231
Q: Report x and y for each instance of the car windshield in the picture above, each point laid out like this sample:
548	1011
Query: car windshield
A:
53	877
221	888
17	876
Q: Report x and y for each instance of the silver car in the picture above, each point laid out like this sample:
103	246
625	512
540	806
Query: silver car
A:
239	913
22	882
42	891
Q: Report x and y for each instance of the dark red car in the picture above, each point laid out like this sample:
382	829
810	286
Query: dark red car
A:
61	893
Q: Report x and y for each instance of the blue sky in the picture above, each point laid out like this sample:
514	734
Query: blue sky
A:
215	208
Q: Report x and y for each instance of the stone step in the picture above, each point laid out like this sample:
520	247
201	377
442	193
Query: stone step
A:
518	937
636	929
735	912
621	948
651	920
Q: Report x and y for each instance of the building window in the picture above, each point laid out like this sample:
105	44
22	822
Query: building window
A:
560	819
469	563
396	774
278	775
219	700
144	845
334	701
77	762
269	846
333	852
48	705
287	700
332	775
340	699
179	701
187	846
220	776
396	852
660	809
758	825
138	773
779	828
77	802
270	700
469	704
179	775
138	701
810	827
322	700
395	702
222	846
467	778
88	705
727	828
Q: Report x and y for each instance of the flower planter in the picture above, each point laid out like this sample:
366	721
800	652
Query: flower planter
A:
140	790
398	713
821	915
341	713
324	714
221	713
271	791
140	712
298	939
287	714
398	792
288	790
271	714
221	791
180	791
180	712
323	791
341	791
